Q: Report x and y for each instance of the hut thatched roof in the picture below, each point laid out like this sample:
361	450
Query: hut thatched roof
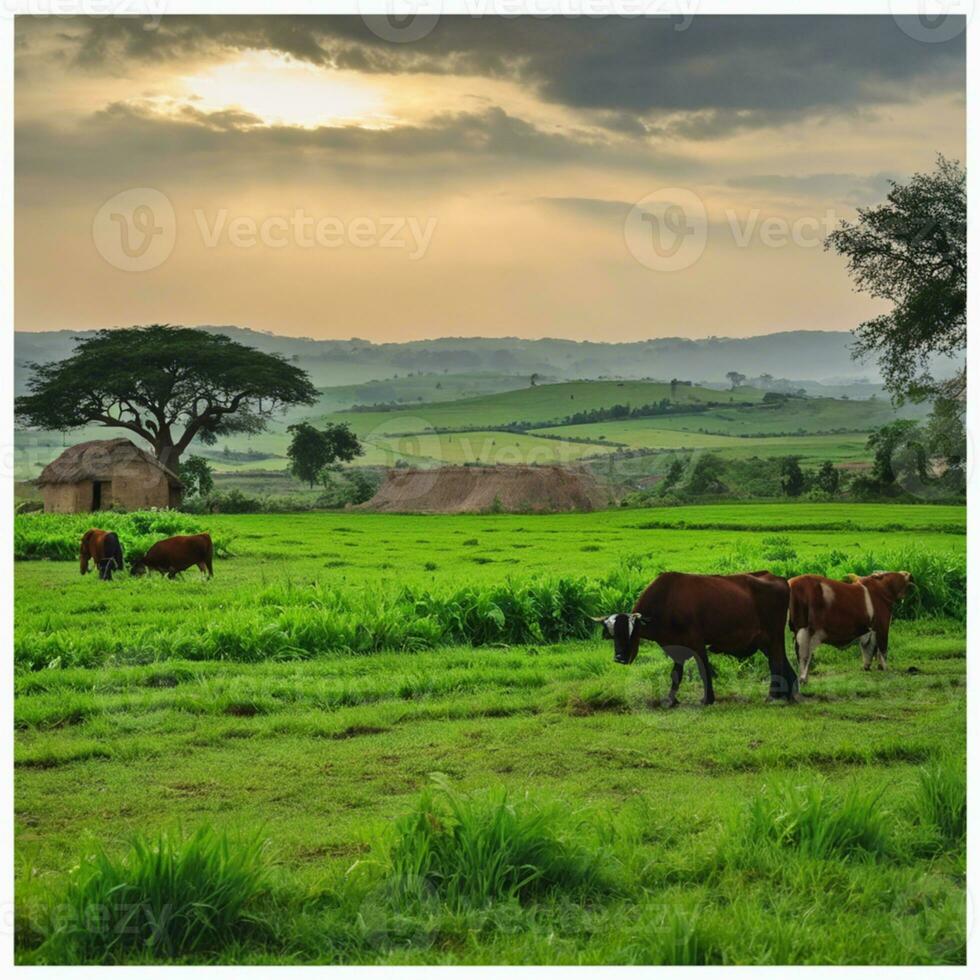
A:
98	460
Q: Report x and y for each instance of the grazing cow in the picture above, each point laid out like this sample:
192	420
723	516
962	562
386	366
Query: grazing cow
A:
822	610
692	615
173	555
102	548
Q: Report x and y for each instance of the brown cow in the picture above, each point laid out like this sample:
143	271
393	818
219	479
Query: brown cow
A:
103	548
692	615
174	555
823	610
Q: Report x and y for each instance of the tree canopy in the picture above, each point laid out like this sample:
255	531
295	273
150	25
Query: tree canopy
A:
312	450
168	385
911	251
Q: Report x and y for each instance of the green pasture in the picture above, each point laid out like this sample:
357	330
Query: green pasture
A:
542	403
301	700
646	434
414	388
794	417
506	448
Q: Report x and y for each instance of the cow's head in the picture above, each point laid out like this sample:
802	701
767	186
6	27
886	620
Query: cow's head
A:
624	630
137	567
894	584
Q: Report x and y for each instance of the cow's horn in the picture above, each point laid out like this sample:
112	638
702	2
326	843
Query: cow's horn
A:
598	619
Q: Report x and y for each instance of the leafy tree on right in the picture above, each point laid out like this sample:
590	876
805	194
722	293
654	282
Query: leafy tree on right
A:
911	251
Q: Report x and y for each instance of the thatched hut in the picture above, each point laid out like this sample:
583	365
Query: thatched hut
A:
107	473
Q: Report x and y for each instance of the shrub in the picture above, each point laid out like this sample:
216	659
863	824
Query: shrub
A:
233	502
778	547
168	897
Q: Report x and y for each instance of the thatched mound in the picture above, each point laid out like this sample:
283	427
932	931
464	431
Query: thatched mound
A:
100	459
479	489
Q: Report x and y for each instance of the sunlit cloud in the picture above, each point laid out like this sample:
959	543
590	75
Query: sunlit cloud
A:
284	92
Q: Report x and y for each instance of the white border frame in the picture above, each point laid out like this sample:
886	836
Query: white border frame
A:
486	8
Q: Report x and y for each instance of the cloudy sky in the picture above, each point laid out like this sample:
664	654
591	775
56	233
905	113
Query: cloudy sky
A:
604	178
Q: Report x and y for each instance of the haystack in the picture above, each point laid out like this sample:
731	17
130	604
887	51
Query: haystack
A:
107	473
481	489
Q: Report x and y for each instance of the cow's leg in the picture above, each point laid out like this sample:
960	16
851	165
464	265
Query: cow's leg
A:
867	644
782	677
202	568
881	647
676	676
804	651
701	659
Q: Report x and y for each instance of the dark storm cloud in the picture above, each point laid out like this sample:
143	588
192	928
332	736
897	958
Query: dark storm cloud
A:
769	68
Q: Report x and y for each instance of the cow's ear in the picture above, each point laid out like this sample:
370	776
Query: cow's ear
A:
644	620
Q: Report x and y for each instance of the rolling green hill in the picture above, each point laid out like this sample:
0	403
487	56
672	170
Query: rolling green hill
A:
540	404
739	424
415	388
797	415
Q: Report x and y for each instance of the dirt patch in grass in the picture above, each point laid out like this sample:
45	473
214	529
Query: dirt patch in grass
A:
475	489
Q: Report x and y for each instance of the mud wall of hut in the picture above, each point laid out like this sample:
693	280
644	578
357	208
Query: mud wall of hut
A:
132	489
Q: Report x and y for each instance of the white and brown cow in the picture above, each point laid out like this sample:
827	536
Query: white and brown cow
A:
823	610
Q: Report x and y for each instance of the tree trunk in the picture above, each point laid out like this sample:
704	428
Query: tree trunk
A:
169	456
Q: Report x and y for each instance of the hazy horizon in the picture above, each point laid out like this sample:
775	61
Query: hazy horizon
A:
605	179
437	337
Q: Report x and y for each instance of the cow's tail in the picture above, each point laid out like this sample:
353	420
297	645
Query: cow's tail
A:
799	611
209	558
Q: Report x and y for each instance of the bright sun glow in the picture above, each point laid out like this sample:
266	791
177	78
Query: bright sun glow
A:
281	91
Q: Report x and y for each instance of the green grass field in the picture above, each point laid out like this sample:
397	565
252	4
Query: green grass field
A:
646	434
543	403
798	416
300	701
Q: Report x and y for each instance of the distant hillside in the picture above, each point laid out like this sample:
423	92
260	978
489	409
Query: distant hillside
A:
554	422
820	356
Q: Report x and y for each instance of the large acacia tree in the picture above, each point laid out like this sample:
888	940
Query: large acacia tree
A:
168	385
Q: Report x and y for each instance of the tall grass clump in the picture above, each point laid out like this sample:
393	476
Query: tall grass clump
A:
940	800
169	897
679	938
286	622
939	580
475	851
813	821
